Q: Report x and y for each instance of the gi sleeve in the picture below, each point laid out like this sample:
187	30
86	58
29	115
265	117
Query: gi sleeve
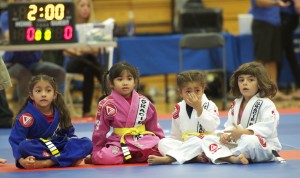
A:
209	118
152	123
176	132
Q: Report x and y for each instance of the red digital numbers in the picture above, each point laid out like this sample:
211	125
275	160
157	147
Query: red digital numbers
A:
68	32
30	32
35	35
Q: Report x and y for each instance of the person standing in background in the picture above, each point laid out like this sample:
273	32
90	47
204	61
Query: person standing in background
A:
84	60
266	32
6	115
289	23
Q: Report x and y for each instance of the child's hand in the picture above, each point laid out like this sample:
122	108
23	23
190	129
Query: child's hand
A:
28	163
225	138
236	133
194	101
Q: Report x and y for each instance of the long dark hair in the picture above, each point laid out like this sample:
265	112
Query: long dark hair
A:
115	71
58	102
267	88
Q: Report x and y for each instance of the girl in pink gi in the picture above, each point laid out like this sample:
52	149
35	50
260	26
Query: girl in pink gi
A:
132	118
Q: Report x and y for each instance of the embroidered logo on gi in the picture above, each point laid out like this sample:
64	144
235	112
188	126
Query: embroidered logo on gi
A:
111	110
176	111
201	136
205	105
262	141
46	154
231	107
254	112
97	124
213	148
115	150
26	120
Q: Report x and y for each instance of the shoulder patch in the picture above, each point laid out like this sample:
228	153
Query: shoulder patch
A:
110	110
176	111
102	103
26	120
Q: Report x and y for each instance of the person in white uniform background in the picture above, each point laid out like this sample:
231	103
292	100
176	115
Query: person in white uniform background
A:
250	133
195	115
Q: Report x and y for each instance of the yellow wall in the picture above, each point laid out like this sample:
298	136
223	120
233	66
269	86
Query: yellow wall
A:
231	10
155	16
145	12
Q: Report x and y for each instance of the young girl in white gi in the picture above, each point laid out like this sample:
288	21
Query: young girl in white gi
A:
194	116
132	118
43	135
250	133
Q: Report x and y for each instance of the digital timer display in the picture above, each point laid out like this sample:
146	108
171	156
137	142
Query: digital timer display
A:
41	22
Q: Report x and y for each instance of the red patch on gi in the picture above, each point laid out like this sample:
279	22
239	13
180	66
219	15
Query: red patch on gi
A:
46	154
176	111
262	141
201	136
115	150
111	110
213	148
26	120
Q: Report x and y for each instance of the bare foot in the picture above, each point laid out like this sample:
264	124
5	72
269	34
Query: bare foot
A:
2	161
43	163
202	158
78	162
153	160
240	159
88	160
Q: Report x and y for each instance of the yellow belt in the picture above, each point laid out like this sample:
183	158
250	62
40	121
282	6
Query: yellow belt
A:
51	147
186	134
140	130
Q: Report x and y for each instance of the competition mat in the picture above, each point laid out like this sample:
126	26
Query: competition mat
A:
288	129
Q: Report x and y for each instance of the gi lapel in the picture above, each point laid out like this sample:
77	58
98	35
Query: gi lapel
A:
251	112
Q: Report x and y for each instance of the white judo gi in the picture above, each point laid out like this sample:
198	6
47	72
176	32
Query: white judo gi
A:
261	116
185	126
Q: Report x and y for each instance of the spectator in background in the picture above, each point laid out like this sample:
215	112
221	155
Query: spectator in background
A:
289	23
84	60
6	115
22	65
267	36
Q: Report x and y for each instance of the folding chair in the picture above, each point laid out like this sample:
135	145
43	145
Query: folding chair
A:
107	54
202	41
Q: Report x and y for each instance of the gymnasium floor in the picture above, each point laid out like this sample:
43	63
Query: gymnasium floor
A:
289	133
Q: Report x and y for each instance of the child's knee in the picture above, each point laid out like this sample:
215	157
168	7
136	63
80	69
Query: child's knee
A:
108	156
26	147
252	141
